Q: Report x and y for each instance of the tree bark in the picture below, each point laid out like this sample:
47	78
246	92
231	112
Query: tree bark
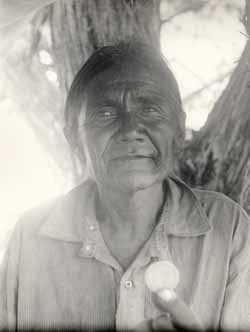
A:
70	31
218	157
80	27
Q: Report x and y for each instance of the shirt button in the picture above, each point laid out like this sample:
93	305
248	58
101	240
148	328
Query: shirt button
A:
128	284
88	247
92	227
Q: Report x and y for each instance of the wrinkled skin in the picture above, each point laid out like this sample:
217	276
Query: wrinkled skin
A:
128	130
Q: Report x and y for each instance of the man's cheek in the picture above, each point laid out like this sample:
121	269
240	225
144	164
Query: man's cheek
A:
166	152
97	154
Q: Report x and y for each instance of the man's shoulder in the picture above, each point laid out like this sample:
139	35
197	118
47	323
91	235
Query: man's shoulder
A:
212	203
37	214
221	206
213	196
34	218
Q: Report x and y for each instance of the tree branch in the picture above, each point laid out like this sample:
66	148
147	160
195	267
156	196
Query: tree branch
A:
192	7
246	17
207	86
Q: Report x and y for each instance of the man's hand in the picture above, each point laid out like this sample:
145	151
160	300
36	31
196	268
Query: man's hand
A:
179	317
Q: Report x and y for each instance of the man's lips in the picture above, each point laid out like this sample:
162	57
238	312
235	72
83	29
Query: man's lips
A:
131	157
130	152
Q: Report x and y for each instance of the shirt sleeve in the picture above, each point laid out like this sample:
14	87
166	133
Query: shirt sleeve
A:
236	310
9	283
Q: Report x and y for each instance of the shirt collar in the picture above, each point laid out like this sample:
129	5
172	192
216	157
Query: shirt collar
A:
68	220
73	218
184	214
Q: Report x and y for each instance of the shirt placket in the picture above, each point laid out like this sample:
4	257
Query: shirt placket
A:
130	309
130	286
131	306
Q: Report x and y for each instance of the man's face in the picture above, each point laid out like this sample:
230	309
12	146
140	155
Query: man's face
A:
128	130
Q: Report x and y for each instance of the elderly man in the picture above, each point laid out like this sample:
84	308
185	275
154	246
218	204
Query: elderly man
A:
80	261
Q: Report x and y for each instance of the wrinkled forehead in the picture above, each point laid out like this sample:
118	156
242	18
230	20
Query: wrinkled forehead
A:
110	78
116	81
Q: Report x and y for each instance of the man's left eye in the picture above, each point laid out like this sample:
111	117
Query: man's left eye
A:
151	111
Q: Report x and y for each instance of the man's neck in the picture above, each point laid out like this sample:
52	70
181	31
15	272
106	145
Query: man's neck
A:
131	211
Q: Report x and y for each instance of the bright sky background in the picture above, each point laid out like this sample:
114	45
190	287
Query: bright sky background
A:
198	49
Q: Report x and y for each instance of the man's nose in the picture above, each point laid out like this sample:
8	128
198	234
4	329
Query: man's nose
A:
131	129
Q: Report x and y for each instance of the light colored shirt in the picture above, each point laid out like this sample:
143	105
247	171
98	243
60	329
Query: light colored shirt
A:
59	273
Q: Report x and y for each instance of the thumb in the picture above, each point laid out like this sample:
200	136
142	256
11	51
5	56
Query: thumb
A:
181	315
144	326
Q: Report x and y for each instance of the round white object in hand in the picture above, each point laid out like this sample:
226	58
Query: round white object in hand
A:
162	275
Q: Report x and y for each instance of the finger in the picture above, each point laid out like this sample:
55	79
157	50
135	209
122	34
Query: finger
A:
163	323
144	326
181	315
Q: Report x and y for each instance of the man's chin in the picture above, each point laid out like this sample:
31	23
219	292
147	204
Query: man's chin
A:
135	182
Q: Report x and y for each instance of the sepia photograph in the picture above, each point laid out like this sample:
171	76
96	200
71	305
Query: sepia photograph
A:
125	165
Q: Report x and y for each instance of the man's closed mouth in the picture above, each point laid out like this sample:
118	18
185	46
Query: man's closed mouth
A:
134	157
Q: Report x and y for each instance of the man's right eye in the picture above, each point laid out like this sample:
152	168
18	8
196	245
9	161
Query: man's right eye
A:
107	113
110	113
102	116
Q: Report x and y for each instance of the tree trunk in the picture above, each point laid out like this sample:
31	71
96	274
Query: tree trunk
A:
218	157
80	27
70	31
